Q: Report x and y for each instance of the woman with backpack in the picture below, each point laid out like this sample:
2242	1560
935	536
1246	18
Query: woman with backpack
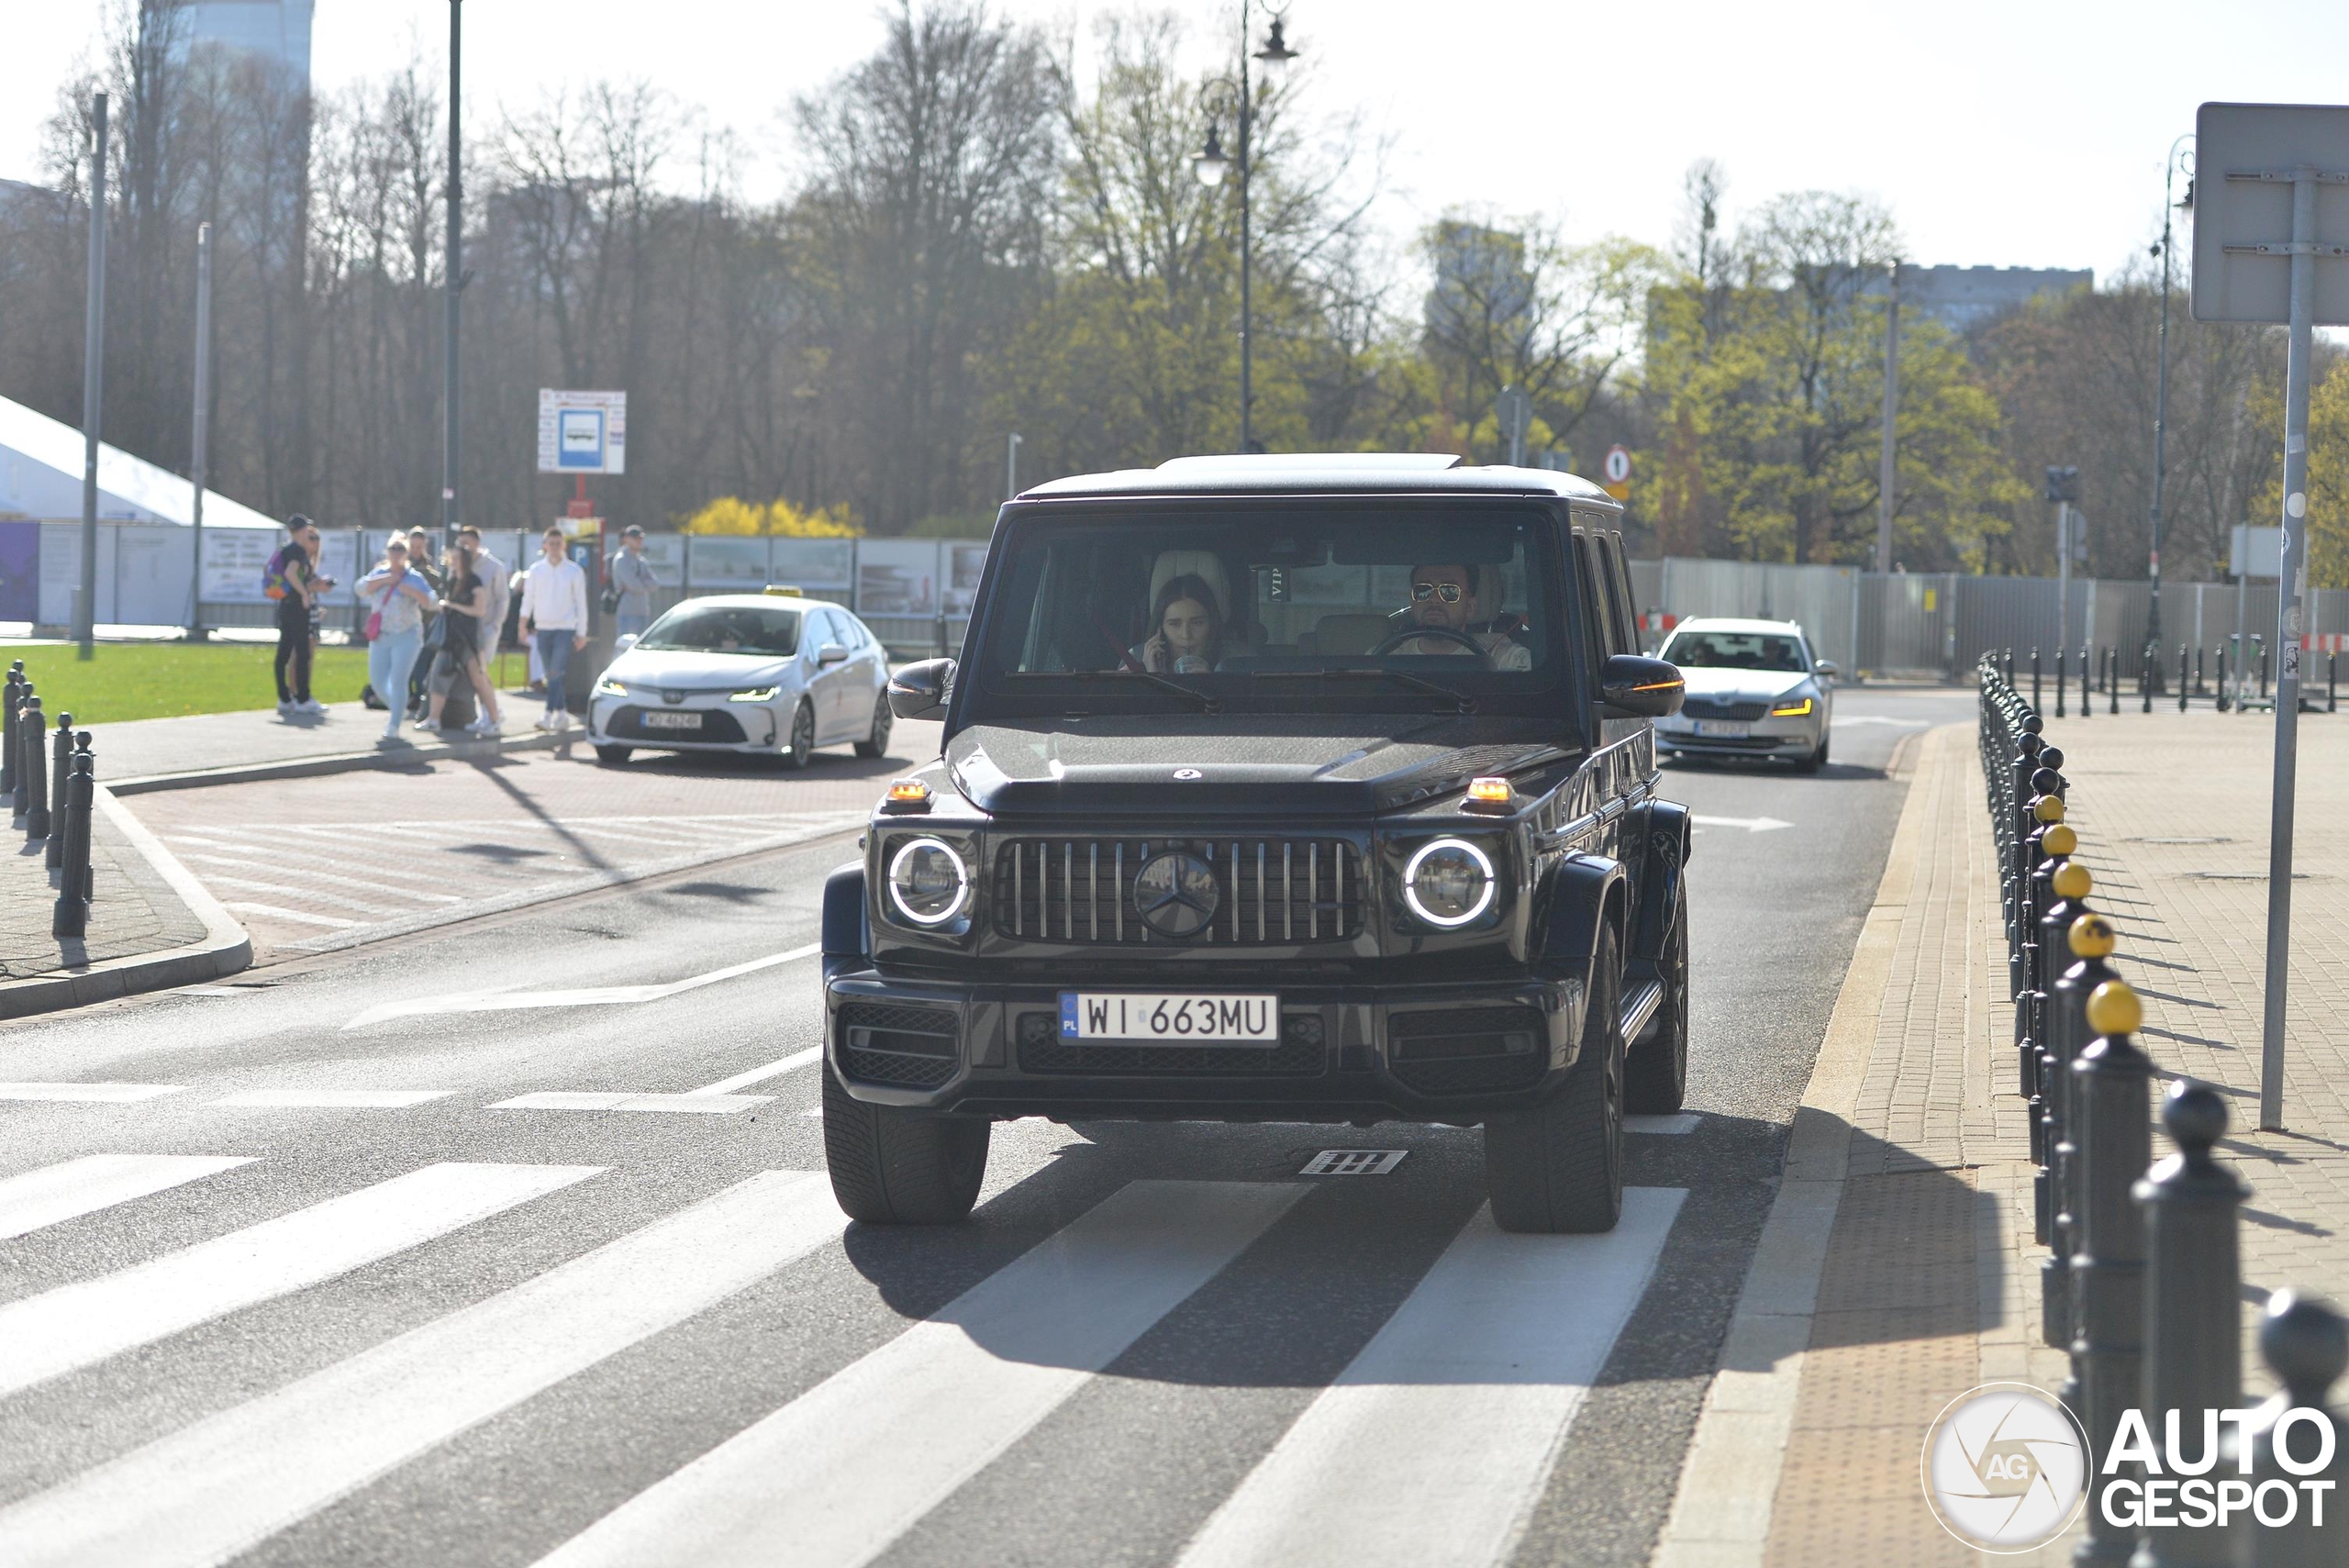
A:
394	628
468	597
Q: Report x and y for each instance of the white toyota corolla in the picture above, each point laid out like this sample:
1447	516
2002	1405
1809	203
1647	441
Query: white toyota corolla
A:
1754	689
771	672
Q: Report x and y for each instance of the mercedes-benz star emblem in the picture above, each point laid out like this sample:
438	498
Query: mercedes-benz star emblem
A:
1188	774
1176	895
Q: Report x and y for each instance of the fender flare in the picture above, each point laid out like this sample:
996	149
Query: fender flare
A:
845	934
1669	839
1579	893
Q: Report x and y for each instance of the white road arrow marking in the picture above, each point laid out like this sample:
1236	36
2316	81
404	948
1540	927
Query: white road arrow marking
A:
1751	824
584	997
1879	719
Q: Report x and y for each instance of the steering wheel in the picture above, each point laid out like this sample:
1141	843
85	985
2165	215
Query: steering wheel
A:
1414	633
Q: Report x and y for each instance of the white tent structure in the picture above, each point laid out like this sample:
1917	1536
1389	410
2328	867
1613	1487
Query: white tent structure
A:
40	478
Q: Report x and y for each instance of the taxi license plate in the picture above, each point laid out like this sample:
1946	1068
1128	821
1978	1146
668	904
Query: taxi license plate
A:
656	719
1186	1017
1724	729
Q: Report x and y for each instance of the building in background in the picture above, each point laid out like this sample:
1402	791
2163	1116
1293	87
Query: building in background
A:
1962	298
277	31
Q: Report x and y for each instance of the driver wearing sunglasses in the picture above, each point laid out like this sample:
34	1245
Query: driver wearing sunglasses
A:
1445	599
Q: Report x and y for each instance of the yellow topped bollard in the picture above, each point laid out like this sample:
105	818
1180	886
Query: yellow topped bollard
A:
2060	841
2092	937
2113	1008
2072	879
2048	808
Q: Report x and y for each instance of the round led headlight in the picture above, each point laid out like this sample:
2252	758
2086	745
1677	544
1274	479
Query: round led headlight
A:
927	883
1449	882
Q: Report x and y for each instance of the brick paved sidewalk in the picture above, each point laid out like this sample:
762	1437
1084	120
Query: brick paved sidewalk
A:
1899	1268
135	910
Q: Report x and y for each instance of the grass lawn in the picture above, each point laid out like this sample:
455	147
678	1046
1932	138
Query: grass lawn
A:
158	679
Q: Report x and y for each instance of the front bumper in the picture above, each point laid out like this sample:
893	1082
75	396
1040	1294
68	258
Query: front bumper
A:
1349	1052
1792	738
725	726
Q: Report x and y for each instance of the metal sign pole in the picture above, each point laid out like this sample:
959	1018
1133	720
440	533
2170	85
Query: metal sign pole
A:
198	468
94	334
2300	346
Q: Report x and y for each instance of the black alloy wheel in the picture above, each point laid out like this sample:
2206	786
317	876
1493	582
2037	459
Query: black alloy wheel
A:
894	1166
877	743
803	735
1655	1072
1557	1168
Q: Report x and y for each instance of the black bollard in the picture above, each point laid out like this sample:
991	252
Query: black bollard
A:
2304	1344
2112	680
2034	678
2148	677
71	917
2030	894
2109	1085
61	768
2219	692
2090	940
26	699
2193	1307
81	755
2332	694
14	694
2199	689
2087	701
2067	880
2260	643
32	770
2181	677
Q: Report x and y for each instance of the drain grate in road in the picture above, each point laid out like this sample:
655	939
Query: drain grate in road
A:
1354	1162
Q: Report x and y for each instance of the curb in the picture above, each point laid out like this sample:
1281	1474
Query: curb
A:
225	950
341	762
1728	1482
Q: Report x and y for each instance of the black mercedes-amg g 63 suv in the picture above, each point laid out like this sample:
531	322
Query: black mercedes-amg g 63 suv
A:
1274	788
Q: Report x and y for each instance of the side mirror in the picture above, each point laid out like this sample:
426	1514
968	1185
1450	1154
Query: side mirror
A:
831	653
1636	686
1824	668
919	691
624	641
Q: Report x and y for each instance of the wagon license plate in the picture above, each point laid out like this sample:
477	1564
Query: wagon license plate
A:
657	719
1723	728
1186	1017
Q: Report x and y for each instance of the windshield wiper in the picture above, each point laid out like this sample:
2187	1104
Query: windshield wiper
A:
1466	703
1206	703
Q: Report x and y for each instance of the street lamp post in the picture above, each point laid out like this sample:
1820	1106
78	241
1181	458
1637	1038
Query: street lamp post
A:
1209	165
2161	399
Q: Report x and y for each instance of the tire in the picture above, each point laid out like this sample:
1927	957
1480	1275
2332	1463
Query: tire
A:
803	735
1656	1070
877	743
614	756
1557	1168
1816	761
892	1166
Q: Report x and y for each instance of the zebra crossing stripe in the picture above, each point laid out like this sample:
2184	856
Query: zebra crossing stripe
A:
835	1475
1480	1371
88	1094
75	1325
58	1193
214	1489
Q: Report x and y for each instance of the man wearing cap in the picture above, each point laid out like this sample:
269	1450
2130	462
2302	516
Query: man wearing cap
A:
632	583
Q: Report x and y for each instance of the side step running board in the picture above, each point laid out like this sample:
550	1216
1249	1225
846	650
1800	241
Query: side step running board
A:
1640	1009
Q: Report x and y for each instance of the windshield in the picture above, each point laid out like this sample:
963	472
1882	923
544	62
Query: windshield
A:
1737	651
725	628
1273	609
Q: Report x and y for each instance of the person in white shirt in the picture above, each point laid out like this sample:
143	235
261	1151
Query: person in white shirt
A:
555	618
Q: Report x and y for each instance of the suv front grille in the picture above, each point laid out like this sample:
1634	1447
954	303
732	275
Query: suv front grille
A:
1463	1051
1270	891
883	1043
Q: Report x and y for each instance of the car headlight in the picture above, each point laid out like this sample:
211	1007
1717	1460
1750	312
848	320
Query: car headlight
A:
1449	882
1793	708
927	882
756	694
607	687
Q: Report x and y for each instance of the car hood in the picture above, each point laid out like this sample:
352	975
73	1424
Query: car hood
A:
697	672
1734	685
1301	768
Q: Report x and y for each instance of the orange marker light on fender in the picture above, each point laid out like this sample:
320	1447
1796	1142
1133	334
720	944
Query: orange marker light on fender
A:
1490	791
910	792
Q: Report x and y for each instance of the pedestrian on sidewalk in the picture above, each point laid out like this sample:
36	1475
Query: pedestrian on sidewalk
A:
632	579
420	561
498	578
554	618
293	582
394	629
465	603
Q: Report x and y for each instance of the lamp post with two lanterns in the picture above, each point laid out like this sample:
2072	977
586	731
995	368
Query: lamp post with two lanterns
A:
1223	97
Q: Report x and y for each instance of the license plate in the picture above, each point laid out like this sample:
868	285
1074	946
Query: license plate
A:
656	719
1725	729
1187	1017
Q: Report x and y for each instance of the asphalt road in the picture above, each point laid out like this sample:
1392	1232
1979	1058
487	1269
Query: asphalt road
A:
303	1286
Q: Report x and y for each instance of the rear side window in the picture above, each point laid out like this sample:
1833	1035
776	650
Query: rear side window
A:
1618	590
1597	604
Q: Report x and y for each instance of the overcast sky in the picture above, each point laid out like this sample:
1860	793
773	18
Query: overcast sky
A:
2006	132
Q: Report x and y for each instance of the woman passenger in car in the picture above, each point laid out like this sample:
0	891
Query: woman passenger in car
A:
1187	635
